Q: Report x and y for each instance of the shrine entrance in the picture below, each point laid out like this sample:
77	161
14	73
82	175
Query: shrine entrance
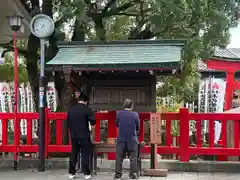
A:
230	66
113	71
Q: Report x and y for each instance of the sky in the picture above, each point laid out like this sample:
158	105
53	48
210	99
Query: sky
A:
235	39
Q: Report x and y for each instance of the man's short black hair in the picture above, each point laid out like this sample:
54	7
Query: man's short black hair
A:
128	104
83	97
78	90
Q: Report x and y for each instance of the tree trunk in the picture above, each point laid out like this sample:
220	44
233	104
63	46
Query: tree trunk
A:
32	67
67	94
65	103
47	7
100	29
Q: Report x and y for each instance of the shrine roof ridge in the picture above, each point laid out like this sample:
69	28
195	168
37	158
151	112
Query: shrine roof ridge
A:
168	42
224	58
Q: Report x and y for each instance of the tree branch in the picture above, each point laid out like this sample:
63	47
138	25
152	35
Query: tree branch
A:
108	5
31	6
126	14
136	13
26	5
119	9
59	22
9	48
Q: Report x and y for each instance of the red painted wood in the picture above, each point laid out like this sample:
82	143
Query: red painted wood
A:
211	133
230	67
29	131
229	90
112	131
184	134
227	66
199	133
183	149
47	132
168	132
141	134
59	130
97	129
5	131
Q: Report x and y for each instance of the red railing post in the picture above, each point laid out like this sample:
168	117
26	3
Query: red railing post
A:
97	129
141	134
112	131
47	132
5	131
184	135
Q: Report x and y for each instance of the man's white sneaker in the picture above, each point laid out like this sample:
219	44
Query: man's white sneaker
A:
87	177
71	176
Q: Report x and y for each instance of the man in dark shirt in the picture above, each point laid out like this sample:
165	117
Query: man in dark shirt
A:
127	141
78	119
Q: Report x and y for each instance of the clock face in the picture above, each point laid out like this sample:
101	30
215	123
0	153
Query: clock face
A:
42	26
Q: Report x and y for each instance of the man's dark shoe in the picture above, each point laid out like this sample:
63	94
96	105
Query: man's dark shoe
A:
133	176
117	177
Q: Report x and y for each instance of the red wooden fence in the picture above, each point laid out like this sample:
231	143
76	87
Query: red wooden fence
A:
183	149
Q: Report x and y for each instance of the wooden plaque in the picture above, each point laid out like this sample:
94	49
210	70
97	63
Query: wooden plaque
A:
155	128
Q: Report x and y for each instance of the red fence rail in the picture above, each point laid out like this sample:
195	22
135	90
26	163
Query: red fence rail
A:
183	149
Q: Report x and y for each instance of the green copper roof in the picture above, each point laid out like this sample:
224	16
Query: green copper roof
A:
119	55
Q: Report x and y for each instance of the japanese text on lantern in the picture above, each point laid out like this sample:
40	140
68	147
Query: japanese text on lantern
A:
155	128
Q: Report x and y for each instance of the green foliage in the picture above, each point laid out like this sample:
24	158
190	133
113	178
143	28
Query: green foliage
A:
7	69
204	24
168	104
118	27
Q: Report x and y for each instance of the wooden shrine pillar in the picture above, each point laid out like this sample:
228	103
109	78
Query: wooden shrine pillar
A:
155	139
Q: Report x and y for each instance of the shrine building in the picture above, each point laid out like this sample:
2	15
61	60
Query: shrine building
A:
120	69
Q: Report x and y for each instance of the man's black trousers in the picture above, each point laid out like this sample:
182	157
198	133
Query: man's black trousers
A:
85	145
123	149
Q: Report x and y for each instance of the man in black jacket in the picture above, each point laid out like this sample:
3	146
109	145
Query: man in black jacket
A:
78	119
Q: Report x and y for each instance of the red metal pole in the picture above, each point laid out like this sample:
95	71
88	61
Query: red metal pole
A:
16	124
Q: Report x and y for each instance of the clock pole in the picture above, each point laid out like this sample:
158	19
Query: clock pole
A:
42	26
42	103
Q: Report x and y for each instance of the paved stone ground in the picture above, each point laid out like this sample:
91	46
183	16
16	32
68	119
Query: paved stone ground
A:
62	175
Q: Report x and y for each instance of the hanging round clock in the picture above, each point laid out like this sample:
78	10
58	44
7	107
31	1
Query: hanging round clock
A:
42	26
